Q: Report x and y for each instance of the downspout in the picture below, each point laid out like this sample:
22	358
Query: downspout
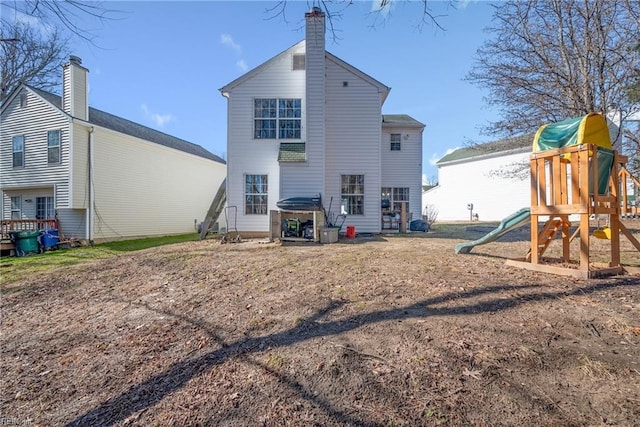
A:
90	189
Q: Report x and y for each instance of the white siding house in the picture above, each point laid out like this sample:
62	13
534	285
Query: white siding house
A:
306	123
494	177
103	177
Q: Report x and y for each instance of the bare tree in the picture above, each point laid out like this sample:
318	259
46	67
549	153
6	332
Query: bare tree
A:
68	16
31	56
548	60
381	10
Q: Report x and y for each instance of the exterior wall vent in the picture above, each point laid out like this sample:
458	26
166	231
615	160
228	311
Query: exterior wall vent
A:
299	61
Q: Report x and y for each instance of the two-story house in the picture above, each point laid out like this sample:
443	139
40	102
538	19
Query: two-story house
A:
306	123
103	177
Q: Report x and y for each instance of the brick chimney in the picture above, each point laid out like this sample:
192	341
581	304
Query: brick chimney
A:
75	99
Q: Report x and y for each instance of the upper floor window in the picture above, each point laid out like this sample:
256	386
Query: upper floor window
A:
17	148
16	207
255	194
396	142
352	195
277	118
44	208
53	146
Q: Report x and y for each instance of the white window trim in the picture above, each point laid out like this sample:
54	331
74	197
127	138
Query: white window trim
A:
277	119
59	147
13	152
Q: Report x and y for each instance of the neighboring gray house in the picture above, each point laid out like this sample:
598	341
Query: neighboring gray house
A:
306	123
103	177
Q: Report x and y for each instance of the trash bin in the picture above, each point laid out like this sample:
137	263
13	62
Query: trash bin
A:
329	234
26	242
49	238
351	231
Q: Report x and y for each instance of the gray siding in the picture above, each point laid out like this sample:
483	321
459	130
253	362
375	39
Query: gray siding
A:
33	121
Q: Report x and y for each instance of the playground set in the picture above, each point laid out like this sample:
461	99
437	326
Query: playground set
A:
575	174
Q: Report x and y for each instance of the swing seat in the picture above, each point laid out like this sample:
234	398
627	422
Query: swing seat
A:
604	233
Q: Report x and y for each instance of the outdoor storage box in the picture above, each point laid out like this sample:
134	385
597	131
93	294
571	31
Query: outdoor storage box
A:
329	234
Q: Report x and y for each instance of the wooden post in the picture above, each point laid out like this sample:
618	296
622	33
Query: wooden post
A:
403	217
566	239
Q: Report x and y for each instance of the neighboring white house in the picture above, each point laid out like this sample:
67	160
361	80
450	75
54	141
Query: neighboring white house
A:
306	123
494	177
103	177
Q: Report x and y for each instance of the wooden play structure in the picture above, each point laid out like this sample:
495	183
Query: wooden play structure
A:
575	174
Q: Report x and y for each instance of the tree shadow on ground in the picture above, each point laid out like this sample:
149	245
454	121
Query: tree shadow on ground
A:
148	393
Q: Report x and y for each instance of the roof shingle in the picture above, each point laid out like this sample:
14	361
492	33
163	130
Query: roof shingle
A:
127	127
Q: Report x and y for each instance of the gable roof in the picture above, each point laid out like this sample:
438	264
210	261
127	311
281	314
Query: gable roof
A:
400	120
253	72
517	144
127	127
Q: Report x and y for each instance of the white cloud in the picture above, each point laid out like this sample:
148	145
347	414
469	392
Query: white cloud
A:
242	65
227	40
462	4
158	119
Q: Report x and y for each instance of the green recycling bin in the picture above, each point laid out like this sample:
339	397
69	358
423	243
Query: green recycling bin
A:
26	242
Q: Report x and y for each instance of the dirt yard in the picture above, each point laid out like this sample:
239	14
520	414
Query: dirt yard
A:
374	331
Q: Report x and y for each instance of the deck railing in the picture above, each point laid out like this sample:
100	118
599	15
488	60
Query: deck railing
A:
8	225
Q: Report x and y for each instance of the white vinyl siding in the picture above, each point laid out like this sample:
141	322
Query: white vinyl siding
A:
353	135
32	122
479	181
404	168
260	157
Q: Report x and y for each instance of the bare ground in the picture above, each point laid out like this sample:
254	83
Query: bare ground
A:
375	331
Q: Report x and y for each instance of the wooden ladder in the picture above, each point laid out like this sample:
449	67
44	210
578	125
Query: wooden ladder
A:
545	237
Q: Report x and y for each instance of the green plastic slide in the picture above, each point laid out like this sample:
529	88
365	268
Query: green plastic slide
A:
508	224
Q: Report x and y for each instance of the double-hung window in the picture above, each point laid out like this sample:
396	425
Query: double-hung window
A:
255	194
53	146
277	118
396	142
44	207
352	195
396	195
16	207
17	148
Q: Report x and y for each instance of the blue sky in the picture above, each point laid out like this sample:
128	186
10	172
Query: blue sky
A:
161	63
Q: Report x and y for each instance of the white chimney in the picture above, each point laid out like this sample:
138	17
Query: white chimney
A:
75	99
315	94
